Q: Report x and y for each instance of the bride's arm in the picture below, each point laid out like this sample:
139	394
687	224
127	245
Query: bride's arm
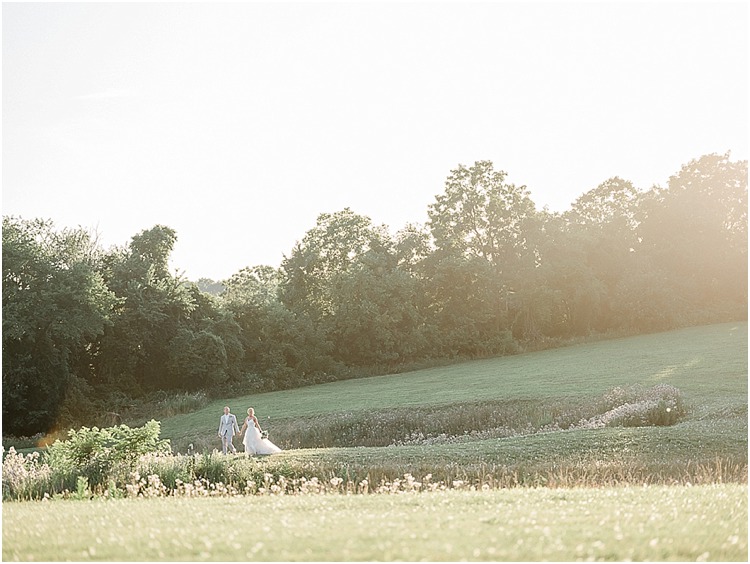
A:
244	426
255	420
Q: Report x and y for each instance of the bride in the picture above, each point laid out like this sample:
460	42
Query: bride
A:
253	440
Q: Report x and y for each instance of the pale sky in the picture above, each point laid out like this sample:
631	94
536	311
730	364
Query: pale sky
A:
237	124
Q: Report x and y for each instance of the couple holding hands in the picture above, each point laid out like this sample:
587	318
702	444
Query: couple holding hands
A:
254	441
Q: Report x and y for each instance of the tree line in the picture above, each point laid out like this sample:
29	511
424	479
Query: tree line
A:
86	329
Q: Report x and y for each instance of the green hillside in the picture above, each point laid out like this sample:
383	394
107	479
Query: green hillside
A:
707	364
668	408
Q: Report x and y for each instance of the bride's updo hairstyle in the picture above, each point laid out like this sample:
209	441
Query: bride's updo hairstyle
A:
250	411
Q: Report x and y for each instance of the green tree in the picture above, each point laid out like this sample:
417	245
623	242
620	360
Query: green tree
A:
134	353
481	215
469	306
359	287
257	285
209	318
694	232
197	360
563	293
483	229
337	241
54	304
378	316
602	228
282	349
210	286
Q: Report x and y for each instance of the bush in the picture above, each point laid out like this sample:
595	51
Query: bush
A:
96	453
636	406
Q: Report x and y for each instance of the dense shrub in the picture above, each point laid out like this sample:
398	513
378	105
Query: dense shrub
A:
96	454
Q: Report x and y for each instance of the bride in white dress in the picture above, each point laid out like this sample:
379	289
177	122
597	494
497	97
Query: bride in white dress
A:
253	440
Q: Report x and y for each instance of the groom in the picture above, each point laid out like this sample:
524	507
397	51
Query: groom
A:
227	428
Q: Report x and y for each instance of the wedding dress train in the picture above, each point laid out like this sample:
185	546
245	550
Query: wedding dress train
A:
254	443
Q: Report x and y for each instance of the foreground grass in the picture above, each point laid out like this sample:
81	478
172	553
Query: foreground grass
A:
624	523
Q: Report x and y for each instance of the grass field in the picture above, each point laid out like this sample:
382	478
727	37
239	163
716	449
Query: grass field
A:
521	524
708	364
653	493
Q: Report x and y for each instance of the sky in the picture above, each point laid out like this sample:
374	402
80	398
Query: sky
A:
237	124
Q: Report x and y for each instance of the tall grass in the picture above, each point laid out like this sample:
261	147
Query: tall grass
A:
467	421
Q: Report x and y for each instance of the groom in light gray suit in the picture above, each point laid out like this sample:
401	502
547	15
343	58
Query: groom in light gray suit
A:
227	428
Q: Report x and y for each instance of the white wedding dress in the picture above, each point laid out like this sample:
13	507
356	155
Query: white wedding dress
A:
254	443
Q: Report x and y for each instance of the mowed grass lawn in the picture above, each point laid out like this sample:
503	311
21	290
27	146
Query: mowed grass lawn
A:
663	523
